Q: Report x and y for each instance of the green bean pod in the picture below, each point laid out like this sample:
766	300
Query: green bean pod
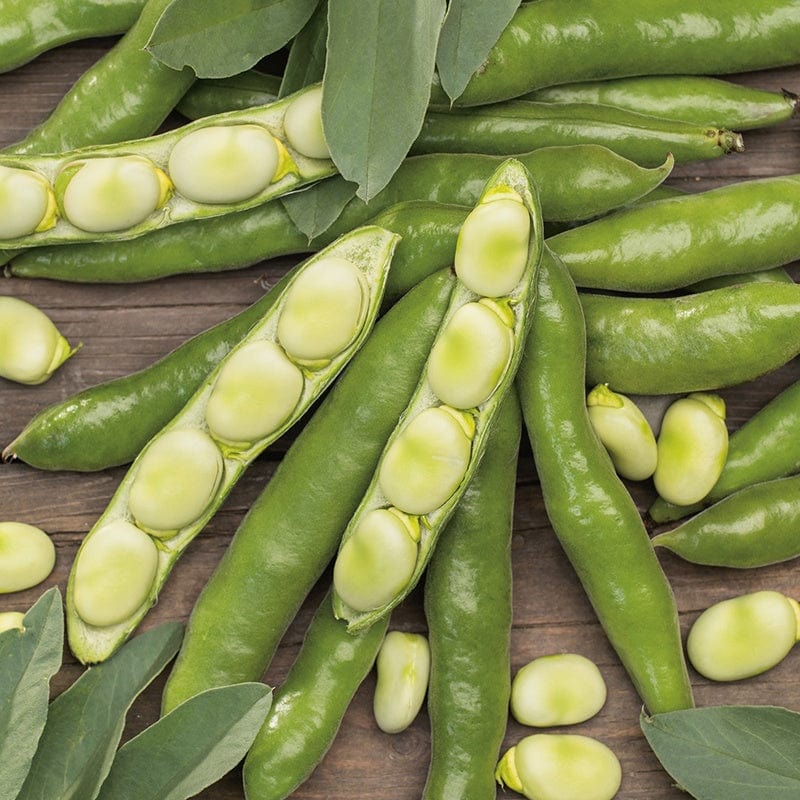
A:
308	707
574	183
754	527
695	99
232	633
218	95
590	509
774	275
521	125
255	394
692	343
471	639
30	27
766	447
549	43
667	244
441	437
125	95
210	167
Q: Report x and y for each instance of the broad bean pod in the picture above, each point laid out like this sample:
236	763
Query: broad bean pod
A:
30	27
441	437
472	639
232	633
574	183
308	707
590	509
549	43
753	527
218	95
521	125
701	341
125	95
255	394
121	191
739	228
766	447
695	99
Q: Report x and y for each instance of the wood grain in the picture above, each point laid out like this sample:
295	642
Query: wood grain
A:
125	328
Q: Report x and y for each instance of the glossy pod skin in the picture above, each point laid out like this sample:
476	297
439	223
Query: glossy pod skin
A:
472	639
691	98
548	43
754	527
25	35
670	243
766	447
308	707
590	509
232	633
692	343
216	96
521	125
183	474
126	95
574	184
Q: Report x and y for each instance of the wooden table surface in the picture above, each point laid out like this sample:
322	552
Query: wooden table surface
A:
124	328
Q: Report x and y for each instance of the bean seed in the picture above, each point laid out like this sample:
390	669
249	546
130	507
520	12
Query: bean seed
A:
27	556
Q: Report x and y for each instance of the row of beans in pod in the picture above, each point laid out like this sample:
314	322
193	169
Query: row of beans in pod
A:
210	167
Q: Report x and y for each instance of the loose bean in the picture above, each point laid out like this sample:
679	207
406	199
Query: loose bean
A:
27	556
403	667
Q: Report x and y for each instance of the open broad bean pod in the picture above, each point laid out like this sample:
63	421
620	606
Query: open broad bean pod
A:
216	165
433	452
254	395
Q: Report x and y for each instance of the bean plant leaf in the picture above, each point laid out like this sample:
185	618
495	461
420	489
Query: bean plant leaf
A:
191	747
306	61
221	39
377	84
28	659
85	723
315	209
729	752
470	30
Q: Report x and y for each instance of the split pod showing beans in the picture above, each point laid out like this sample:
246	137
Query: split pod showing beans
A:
210	167
438	444
255	394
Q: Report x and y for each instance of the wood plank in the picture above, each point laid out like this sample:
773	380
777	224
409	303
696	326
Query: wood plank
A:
124	328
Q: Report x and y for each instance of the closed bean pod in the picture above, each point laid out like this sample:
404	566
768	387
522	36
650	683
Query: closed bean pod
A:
31	347
548	43
218	95
232	633
590	509
403	667
549	766
766	447
520	125
27	556
107	204
574	183
744	635
435	449
692	447
695	99
184	473
693	343
753	527
624	432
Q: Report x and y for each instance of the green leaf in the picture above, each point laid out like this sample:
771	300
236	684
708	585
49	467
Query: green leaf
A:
306	62
221	39
729	752
377	84
28	659
191	747
85	723
470	30
315	209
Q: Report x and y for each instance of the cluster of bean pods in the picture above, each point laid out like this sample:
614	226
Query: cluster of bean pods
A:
526	251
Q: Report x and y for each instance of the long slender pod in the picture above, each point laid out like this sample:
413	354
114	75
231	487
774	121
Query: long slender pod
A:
470	637
590	509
